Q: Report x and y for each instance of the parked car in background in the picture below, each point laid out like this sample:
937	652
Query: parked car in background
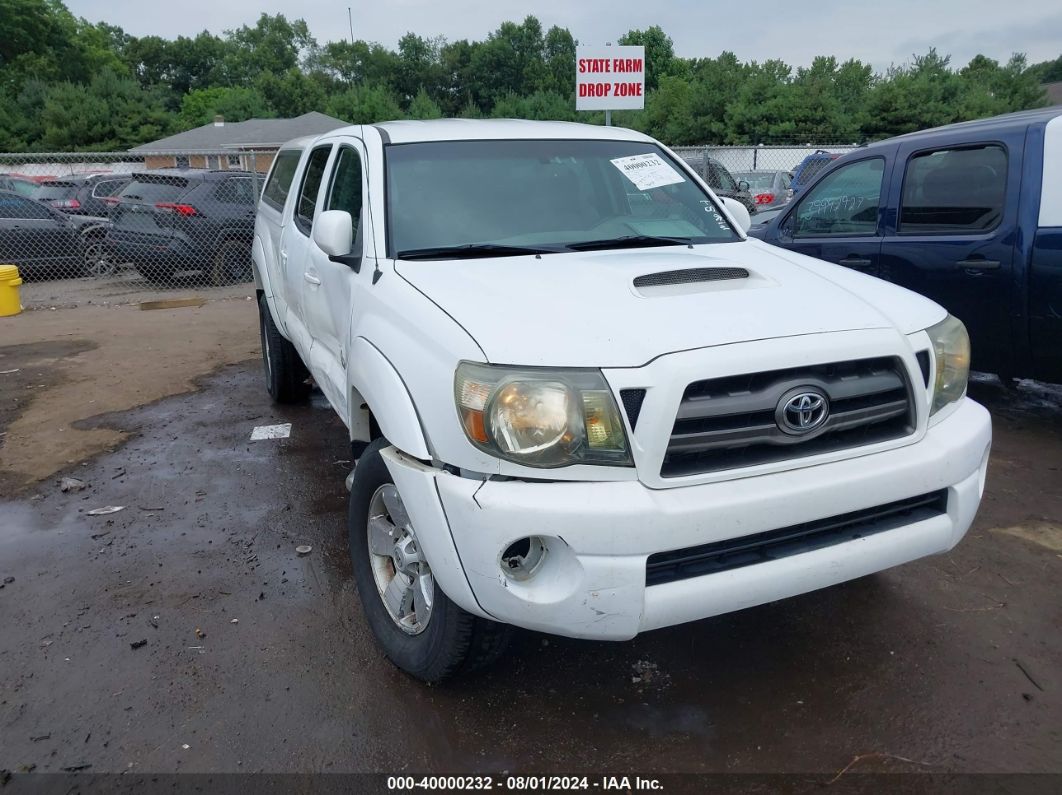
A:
42	241
769	189
720	180
91	195
581	401
969	215
811	165
24	186
173	220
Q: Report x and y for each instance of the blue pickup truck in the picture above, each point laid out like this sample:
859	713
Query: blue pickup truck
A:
969	215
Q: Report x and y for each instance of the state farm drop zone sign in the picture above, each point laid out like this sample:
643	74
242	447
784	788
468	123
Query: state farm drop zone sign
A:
610	78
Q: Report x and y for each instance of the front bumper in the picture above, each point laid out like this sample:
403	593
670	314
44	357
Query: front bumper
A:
592	583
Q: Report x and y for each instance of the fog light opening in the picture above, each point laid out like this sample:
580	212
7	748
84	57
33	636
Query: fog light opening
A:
523	557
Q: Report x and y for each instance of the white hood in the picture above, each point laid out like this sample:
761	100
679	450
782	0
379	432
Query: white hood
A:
583	310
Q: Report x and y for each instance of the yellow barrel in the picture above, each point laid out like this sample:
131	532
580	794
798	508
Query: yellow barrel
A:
9	282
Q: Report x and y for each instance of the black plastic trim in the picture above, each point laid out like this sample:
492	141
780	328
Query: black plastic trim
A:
735	553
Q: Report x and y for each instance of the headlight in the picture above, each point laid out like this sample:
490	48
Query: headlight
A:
951	351
541	417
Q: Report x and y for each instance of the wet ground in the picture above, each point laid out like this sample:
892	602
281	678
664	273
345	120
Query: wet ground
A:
257	659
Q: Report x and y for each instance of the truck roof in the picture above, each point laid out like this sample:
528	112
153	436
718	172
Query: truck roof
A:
400	132
1008	121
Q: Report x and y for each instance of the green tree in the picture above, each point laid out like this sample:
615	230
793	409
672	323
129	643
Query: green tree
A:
275	44
291	93
559	55
111	112
1047	71
510	61
200	106
364	105
424	107
659	52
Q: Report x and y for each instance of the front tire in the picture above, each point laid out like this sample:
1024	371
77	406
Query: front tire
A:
284	371
419	629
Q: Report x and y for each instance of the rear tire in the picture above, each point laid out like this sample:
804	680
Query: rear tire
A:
285	373
450	640
231	263
97	261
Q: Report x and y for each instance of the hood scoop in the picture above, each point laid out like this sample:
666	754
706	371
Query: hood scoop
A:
687	280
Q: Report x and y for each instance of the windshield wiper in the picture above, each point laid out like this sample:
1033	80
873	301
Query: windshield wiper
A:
629	241
472	250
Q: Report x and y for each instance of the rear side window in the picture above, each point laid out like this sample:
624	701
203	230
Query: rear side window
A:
345	193
151	190
954	190
719	177
236	191
279	185
843	203
311	187
21	208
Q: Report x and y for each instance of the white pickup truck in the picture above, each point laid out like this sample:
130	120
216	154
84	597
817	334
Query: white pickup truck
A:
582	401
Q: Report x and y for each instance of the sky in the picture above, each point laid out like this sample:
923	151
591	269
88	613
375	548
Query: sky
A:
793	31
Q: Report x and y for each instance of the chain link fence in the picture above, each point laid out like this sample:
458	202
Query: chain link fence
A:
760	177
149	221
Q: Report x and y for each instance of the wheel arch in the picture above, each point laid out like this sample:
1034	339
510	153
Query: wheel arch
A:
380	403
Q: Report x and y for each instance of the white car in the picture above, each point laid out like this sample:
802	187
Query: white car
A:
583	402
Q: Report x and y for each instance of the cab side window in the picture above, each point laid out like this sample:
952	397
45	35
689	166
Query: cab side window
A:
954	190
345	190
311	186
844	203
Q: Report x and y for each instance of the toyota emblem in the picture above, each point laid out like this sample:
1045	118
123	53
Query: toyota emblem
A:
802	411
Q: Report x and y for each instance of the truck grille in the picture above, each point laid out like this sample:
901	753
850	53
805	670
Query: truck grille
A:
732	422
734	553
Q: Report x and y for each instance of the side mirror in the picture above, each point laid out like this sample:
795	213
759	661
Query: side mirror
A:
333	233
739	212
743	184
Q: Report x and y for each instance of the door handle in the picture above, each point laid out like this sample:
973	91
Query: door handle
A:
855	262
979	264
311	278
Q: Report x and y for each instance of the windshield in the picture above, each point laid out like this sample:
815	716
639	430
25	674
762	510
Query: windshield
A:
757	180
50	191
503	198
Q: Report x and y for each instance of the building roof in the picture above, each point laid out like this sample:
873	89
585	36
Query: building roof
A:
250	134
1054	92
400	132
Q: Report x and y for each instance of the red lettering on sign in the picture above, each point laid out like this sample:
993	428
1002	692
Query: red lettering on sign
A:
627	90
595	89
626	64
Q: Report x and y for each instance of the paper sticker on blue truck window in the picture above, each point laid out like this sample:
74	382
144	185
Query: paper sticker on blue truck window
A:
647	171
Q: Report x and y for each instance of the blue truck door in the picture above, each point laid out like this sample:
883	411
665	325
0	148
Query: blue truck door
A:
1042	208
953	232
837	219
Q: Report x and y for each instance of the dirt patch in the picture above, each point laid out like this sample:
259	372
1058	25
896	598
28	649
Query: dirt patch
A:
76	364
29	369
1043	533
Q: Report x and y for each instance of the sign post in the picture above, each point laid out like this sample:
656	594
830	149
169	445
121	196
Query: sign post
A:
610	78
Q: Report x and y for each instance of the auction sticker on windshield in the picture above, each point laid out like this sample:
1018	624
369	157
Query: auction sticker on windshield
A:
647	171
